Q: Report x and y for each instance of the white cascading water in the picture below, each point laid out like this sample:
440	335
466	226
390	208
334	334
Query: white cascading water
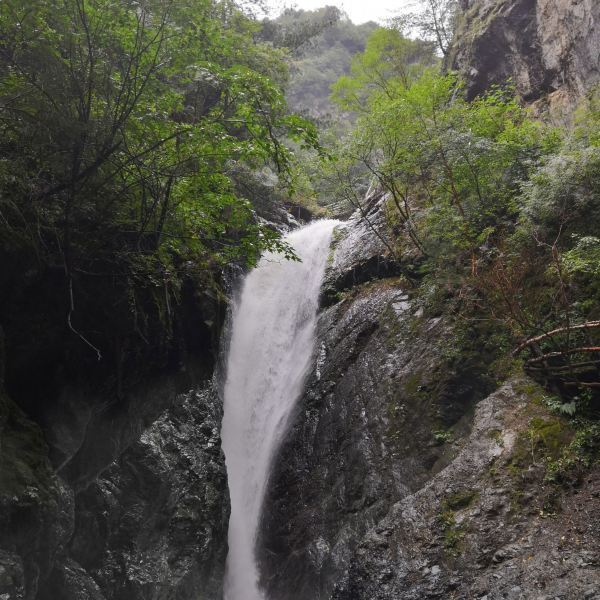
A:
271	348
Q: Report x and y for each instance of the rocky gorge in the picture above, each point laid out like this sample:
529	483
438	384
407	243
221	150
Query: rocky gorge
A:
107	503
410	471
413	466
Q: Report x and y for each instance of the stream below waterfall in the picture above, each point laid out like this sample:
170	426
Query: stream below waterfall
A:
270	352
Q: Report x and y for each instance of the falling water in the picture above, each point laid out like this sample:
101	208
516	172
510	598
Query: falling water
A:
272	343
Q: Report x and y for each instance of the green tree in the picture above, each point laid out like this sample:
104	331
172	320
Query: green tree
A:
390	61
433	20
121	126
450	168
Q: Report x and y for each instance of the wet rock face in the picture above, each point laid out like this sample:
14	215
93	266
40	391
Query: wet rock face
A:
363	435
70	581
36	508
154	523
480	530
362	251
88	430
549	48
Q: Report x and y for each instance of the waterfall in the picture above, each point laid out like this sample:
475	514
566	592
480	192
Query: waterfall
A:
271	348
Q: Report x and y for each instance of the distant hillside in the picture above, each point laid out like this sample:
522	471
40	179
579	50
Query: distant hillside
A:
319	62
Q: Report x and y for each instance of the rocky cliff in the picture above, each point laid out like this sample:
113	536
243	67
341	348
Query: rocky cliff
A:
549	48
151	524
117	494
112	479
404	474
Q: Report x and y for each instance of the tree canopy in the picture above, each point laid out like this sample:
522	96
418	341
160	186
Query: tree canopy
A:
491	210
125	128
322	44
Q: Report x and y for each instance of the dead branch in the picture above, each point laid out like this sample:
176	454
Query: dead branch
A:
544	357
549	334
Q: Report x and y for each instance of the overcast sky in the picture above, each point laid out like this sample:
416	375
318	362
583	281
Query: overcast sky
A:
359	11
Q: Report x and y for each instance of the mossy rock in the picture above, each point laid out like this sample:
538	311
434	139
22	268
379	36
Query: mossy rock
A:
24	466
582	454
413	384
550	434
461	499
454	533
543	440
534	391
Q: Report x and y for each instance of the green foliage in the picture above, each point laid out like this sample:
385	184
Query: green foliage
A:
389	61
122	128
442	436
541	443
561	197
579	456
559	407
499	209
329	42
584	257
559	217
451	168
320	44
548	435
434	20
453	532
586	131
298	30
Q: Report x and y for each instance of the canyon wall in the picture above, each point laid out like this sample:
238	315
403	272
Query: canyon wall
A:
550	49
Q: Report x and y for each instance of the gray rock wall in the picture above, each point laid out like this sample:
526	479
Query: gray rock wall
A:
549	48
151	525
385	379
481	528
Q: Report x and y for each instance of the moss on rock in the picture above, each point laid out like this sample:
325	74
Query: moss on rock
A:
35	510
24	465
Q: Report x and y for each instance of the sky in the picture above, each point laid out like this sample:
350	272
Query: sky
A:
359	11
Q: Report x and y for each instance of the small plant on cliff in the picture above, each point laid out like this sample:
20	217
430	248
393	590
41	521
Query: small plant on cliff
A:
578	457
442	436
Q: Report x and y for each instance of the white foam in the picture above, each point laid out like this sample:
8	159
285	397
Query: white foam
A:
271	349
